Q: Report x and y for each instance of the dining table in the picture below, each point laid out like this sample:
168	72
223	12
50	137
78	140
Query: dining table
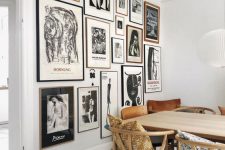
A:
205	125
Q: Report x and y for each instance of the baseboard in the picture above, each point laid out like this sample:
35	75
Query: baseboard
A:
105	146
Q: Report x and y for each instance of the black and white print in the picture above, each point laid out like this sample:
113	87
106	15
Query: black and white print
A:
120	25
88	100
132	85
57	115
76	2
122	7
117	50
109	98
134	44
122	4
136	11
152	69
60	49
103	9
98	44
151	22
98	41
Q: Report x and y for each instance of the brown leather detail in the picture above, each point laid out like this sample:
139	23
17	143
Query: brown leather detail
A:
166	105
222	110
134	111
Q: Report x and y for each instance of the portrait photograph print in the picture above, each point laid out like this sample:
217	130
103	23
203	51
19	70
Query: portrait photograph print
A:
60	51
134	44
109	98
132	85
117	50
103	9
98	44
122	7
120	25
88	106
152	69
57	115
136	11
152	22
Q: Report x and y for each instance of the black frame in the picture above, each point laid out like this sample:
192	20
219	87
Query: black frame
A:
112	50
145	69
78	112
45	139
101	100
38	42
131	12
122	80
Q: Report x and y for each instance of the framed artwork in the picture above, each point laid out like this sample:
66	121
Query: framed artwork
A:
132	85
120	25
103	9
117	50
136	11
122	7
56	115
152	66
98	44
152	22
109	98
76	2
134	44
88	106
59	51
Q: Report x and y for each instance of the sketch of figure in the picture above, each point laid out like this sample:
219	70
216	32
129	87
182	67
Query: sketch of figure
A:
57	114
108	98
60	31
100	4
134	49
153	64
118	50
122	4
136	6
98	41
152	23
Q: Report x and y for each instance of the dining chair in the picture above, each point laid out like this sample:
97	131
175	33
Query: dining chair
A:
162	105
185	144
134	111
222	110
193	109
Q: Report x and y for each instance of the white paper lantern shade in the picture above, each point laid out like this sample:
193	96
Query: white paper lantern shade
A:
212	48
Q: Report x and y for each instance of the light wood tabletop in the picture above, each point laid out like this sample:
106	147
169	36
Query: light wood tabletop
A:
205	125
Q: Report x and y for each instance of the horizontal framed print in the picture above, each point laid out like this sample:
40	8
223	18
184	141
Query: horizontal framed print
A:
98	44
153	82
76	2
59	41
136	11
117	50
103	9
120	25
56	115
88	106
109	98
132	85
122	7
152	22
134	44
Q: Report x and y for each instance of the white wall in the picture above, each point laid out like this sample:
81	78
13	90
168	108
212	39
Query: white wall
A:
182	24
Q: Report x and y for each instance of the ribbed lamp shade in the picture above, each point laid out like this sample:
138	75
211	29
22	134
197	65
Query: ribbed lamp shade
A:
212	48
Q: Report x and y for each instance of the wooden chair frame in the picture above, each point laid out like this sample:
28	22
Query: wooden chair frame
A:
194	145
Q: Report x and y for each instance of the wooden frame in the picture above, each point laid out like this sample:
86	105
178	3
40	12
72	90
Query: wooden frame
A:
120	11
51	132
90	116
133	15
134	55
98	57
148	28
114	59
119	31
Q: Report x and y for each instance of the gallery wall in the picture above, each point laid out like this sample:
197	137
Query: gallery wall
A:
183	75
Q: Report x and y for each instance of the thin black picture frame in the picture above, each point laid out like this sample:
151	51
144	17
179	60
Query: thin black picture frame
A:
130	18
112	38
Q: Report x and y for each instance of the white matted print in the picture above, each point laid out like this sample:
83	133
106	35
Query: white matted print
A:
60	51
109	98
152	69
117	50
122	7
132	85
120	25
103	9
136	11
98	44
76	2
88	106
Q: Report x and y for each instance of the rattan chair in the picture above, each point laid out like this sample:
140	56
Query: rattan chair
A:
196	145
134	111
201	110
119	143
